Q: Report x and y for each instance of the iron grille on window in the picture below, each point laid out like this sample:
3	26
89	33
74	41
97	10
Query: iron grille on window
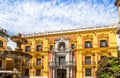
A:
39	48
27	48
38	72
51	47
38	62
87	60
26	72
88	44
88	72
72	46
103	43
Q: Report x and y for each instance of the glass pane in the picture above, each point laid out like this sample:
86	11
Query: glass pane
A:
38	72
88	72
88	44
38	62
51	47
88	60
103	43
27	48
72	46
39	48
62	60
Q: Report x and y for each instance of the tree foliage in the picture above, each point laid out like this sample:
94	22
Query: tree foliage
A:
109	67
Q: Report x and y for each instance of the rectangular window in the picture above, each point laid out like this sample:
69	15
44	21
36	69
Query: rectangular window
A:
72	46
26	72
62	60
38	62
51	47
27	49
103	43
39	48
88	44
0	63
27	63
38	71
88	72
1	43
88	60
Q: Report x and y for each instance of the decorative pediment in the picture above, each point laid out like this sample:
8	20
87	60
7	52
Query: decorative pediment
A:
103	35
61	39
38	41
88	37
61	44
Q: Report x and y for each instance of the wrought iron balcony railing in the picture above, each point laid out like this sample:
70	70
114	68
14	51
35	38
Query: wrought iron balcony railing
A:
68	63
33	64
37	64
27	64
88	63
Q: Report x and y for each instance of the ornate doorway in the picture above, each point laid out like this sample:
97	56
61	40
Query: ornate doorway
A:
61	73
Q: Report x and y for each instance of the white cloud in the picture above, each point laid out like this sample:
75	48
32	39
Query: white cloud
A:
24	16
31	16
11	44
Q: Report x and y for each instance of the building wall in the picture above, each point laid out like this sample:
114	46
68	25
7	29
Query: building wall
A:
78	38
3	45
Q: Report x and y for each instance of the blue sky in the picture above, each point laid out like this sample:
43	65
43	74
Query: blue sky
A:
28	16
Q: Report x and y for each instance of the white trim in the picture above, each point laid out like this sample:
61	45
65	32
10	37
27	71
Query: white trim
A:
4	71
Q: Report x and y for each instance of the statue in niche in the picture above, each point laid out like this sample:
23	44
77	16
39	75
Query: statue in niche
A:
62	48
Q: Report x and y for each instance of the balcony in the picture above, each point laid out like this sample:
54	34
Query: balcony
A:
52	64
57	64
38	65
89	64
27	65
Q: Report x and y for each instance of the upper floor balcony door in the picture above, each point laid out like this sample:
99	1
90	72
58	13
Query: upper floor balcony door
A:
61	73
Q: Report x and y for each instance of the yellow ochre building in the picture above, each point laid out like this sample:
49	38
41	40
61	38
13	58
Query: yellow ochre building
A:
3	45
72	53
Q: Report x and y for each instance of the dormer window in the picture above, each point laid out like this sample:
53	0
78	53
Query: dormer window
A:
103	43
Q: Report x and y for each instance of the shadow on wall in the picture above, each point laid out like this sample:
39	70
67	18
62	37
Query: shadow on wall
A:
25	77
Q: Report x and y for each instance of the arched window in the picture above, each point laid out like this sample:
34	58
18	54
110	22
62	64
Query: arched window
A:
61	46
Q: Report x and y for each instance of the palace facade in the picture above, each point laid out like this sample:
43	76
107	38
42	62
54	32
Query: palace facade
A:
72	53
